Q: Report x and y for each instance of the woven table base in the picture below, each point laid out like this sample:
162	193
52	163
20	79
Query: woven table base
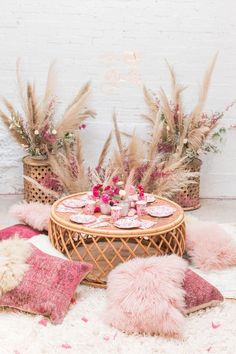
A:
104	248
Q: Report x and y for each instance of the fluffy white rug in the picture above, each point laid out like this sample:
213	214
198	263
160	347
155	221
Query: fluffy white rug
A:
84	332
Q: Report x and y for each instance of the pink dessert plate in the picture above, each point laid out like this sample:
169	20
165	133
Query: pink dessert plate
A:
127	223
74	203
83	218
161	211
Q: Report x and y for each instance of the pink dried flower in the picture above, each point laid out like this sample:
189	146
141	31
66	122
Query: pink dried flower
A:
82	126
48	136
115	179
50	181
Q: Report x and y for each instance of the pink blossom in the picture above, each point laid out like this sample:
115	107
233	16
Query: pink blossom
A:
107	188
115	179
82	126
105	198
97	209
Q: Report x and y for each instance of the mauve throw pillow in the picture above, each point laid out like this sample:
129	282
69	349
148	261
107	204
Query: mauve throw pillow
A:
47	287
22	231
199	294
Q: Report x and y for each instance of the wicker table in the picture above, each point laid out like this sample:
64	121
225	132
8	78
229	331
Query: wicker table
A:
107	247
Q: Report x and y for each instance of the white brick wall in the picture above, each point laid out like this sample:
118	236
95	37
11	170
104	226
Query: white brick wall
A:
93	38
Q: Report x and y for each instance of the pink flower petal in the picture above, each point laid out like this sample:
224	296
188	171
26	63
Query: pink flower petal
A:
106	337
66	346
215	325
84	319
43	322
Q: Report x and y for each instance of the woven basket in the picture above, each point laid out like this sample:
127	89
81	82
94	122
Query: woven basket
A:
189	197
36	169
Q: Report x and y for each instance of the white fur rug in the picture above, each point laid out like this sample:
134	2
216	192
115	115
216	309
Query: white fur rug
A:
84	332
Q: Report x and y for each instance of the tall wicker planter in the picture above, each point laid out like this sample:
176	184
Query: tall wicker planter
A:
38	170
189	197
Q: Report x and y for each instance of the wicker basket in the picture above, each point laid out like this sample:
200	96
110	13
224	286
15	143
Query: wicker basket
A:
105	248
189	197
36	169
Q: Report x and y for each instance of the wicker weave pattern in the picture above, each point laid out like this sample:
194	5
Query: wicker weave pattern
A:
189	197
107	249
36	169
106	252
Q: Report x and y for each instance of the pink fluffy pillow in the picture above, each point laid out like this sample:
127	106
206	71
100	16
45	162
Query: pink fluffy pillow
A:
47	286
199	294
145	295
22	231
209	246
33	214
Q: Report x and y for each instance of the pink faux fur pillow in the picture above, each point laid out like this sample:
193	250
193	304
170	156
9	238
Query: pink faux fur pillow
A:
33	214
209	246
145	295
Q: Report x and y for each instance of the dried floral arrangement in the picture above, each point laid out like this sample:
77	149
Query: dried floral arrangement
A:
189	134
36	128
138	163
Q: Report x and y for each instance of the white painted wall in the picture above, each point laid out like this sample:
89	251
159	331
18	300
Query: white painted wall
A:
94	38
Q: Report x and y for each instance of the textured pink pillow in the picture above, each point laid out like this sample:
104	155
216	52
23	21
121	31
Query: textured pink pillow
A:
145	295
199	294
47	287
23	231
209	246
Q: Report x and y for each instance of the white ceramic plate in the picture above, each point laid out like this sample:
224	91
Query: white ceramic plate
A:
74	203
161	211
83	218
63	209
150	198
127	223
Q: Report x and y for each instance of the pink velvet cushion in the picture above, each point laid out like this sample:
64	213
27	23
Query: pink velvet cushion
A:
47	287
199	294
23	231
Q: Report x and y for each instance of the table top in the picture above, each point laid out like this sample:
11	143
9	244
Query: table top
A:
162	224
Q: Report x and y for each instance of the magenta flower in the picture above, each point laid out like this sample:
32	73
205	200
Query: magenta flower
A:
105	198
96	192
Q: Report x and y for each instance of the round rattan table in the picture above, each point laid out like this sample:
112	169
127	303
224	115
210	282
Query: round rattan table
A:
106	247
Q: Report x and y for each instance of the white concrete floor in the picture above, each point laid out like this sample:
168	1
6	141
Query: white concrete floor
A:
218	210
